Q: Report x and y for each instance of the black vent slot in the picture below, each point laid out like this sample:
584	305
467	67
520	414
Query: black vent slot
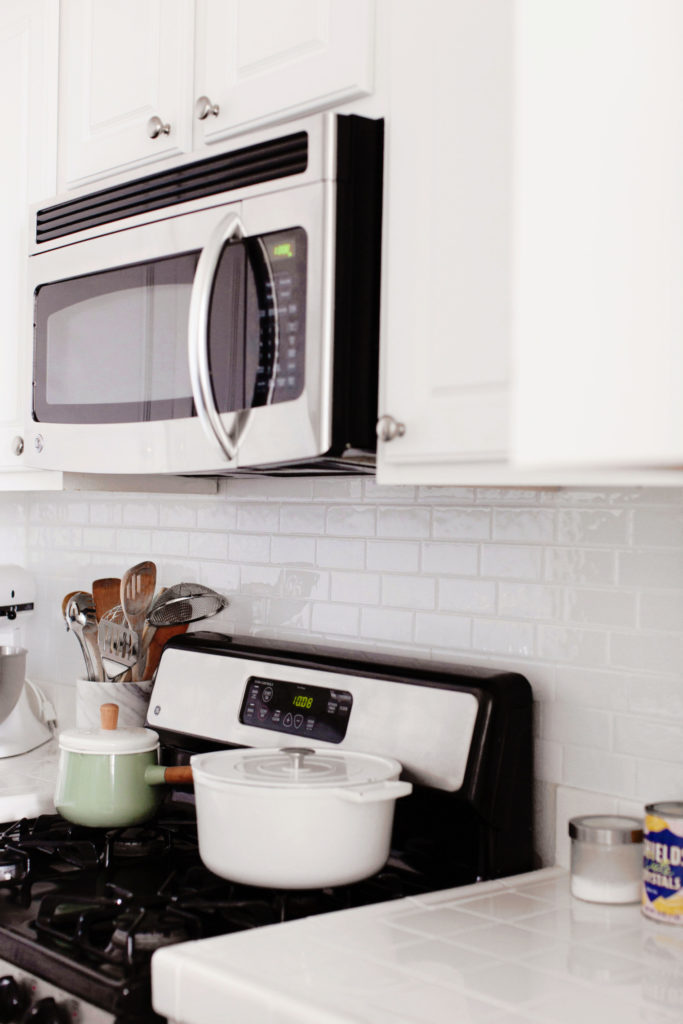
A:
267	161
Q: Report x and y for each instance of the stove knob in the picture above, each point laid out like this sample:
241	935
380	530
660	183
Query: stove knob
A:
13	999
45	1011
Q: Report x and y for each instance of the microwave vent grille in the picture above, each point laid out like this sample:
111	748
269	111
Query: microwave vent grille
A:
266	161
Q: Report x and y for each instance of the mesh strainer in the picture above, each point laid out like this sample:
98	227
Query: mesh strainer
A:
184	602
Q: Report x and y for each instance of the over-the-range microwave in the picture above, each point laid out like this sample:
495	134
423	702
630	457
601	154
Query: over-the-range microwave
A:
215	317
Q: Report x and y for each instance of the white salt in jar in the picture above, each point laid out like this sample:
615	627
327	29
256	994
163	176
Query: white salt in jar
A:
606	858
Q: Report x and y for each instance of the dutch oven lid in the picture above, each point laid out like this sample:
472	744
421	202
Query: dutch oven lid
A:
108	739
293	768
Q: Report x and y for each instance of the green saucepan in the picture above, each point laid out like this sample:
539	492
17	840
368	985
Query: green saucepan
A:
109	777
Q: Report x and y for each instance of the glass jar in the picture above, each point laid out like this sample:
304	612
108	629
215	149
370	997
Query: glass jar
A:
606	858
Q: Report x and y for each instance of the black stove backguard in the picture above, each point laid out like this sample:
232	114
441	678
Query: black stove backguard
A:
484	827
84	909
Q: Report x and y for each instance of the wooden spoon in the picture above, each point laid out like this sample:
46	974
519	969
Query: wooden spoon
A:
162	635
137	594
106	593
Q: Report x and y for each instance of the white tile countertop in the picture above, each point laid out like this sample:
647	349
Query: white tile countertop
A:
27	783
519	949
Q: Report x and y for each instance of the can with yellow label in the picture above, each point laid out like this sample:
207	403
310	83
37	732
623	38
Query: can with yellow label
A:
663	862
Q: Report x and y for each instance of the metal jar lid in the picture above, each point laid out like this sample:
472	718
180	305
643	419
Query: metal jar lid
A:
606	829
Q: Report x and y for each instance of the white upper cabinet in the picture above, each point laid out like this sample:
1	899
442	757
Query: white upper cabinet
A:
533	258
148	80
446	263
598	251
259	61
125	85
28	114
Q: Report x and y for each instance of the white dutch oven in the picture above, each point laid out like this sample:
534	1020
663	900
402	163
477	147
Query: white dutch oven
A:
295	818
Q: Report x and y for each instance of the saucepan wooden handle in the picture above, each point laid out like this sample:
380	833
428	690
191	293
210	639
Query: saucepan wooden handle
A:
158	774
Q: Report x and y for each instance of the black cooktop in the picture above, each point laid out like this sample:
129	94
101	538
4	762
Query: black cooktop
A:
86	908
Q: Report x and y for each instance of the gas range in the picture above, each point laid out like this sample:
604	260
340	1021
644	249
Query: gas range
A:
86	913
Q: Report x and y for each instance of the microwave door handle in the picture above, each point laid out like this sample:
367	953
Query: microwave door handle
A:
229	229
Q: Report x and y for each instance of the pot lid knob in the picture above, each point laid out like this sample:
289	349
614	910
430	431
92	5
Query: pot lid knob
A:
109	715
297	755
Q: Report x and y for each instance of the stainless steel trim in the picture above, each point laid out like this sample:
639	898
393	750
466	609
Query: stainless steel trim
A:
229	440
606	829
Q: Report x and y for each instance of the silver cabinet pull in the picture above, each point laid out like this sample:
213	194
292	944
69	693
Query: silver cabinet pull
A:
156	127
388	428
17	445
204	108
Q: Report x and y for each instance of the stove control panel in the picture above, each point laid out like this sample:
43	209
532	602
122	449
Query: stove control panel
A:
314	712
25	997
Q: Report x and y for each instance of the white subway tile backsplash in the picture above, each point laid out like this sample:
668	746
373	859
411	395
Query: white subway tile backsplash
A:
595	526
579	566
511	561
409	591
658	527
249	547
355	587
461	523
579	589
449	559
529	601
340	554
466	595
293	551
600	607
599	771
302	519
532	525
209	545
500	637
403	522
392	556
385	624
351	521
452	632
576	646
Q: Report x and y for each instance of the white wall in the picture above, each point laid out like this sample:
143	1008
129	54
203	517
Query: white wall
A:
581	590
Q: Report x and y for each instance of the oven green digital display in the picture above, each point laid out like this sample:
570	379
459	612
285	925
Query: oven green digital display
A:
302	701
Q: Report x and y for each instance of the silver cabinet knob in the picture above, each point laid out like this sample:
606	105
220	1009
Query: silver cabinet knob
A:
156	127
17	445
388	428
204	108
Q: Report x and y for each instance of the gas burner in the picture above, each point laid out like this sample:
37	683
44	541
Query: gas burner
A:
139	931
13	866
135	843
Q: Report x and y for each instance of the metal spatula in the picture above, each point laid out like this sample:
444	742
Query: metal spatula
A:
119	644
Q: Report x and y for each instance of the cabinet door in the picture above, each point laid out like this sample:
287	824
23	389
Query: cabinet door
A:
122	64
261	60
599	248
28	114
445	264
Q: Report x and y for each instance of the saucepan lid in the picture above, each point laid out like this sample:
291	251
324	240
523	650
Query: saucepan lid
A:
294	768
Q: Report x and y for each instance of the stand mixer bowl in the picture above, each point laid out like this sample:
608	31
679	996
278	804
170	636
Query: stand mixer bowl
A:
12	674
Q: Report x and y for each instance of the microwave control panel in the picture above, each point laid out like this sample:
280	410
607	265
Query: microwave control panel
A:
285	298
298	709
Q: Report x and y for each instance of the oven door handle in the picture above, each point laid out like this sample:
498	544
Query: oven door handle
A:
229	229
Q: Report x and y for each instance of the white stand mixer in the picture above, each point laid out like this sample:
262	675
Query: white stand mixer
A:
31	721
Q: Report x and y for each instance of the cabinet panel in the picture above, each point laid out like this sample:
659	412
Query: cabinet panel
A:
599	240
28	74
120	65
446	325
261	61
